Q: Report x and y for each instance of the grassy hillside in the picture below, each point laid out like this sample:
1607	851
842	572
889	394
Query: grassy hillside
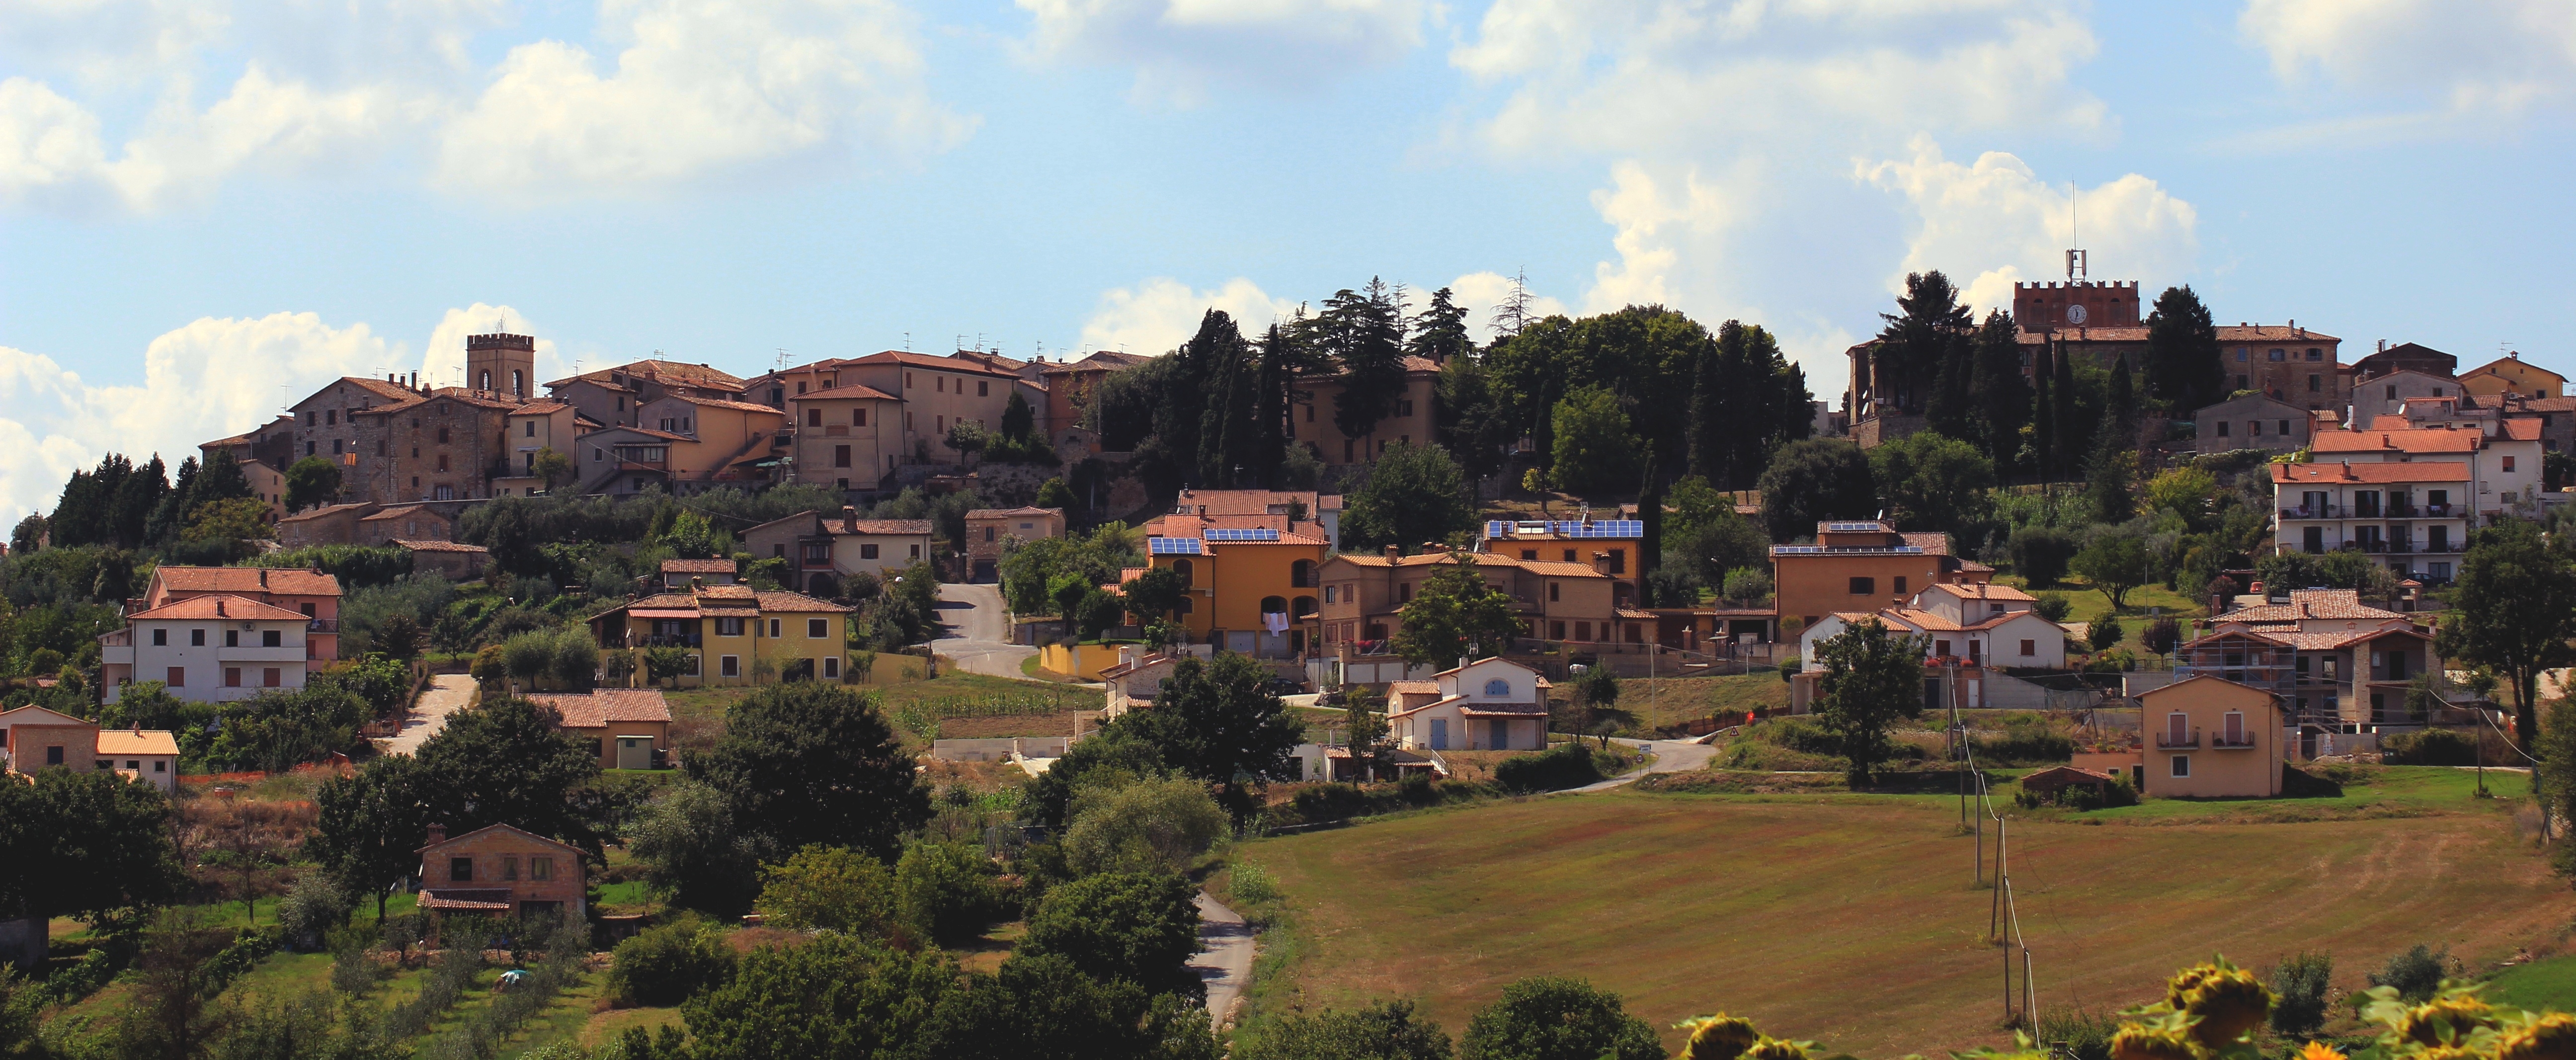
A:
1854	920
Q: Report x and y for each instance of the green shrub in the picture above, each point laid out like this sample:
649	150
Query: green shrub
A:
662	966
2301	982
2077	1033
2416	973
311	910
1568	765
947	889
2053	606
2026	741
2105	633
1252	884
2429	747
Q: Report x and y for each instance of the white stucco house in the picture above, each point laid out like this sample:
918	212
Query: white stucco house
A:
209	649
1485	705
1977	625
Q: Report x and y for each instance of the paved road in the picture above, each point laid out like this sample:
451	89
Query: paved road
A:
446	694
1670	756
1224	960
978	625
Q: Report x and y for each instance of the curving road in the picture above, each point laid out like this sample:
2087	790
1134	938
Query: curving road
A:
977	628
1670	756
1224	960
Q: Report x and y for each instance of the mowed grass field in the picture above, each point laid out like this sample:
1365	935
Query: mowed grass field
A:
1855	921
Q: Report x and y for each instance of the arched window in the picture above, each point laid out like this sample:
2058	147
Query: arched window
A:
1273	605
1498	688
486	378
1185	570
518	382
1301	574
1301	607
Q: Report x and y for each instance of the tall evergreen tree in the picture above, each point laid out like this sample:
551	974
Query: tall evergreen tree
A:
1710	436
219	480
2043	415
1650	511
2183	370
1361	334
2072	432
1270	409
1472	426
2001	397
2120	406
1918	340
1440	333
136	497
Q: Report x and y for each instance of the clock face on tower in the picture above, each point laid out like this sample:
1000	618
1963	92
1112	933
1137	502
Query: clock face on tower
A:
2075	314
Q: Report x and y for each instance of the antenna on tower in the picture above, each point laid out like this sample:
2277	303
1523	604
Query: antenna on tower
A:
2077	266
782	358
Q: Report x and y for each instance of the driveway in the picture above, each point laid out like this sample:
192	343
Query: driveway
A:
446	694
1670	756
976	628
1224	960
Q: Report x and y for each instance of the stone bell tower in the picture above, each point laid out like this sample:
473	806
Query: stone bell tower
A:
501	365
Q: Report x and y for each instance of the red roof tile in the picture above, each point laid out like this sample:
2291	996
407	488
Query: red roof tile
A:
2348	472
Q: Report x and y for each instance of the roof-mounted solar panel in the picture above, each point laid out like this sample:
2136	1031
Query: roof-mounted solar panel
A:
1253	534
1171	546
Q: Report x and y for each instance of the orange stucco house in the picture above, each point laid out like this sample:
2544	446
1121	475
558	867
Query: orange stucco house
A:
499	870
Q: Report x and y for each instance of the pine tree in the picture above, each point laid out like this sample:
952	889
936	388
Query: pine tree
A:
2002	398
1917	341
2043	416
2070	432
1360	333
1440	333
1709	436
2183	370
1269	452
1513	315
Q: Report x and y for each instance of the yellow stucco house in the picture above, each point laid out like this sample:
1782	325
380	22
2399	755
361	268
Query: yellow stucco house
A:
735	634
2210	738
1248	587
2510	374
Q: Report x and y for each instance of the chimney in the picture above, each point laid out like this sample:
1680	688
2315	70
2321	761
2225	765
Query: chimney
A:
1394	553
849	513
219	607
437	833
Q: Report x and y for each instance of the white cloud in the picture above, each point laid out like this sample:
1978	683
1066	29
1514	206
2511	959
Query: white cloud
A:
1156	316
1654	77
1993	222
704	87
698	89
195	389
2478	60
1181	48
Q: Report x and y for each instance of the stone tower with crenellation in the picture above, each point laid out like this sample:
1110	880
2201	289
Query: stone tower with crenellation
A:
502	365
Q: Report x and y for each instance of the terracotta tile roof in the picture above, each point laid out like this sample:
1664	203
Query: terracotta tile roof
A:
1250	502
2311	603
406	511
466	899
2539	404
2329	473
596	709
846	527
647	432
2410	440
221	606
323	512
1096	361
1417	688
513	829
845	391
780	600
1012	513
292	581
697	566
1474	709
2522	429
137	742
540	407
720	403
440	546
924	360
2270	333
1980	591
380	388
1933	543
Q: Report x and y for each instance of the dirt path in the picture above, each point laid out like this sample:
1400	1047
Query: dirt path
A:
446	694
1224	960
1670	756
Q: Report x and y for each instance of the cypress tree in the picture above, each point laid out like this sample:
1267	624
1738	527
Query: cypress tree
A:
2001	396
2121	412
2043	419
2069	430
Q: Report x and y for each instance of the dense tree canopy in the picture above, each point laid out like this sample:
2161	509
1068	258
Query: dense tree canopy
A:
813	763
2514	611
2183	370
1414	494
82	844
1872	677
1813	481
1456	614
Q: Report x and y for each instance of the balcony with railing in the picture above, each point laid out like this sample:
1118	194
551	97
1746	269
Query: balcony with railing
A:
322	625
2165	741
2223	742
2317	511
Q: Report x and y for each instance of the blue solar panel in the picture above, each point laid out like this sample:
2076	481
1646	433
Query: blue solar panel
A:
1171	546
1601	528
1255	534
1497	528
1853	527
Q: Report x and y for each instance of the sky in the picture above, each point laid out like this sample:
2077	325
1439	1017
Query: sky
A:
210	207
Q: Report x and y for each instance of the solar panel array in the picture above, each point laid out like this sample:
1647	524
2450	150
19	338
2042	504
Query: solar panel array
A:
1854	528
1602	528
1254	534
1810	550
1497	528
1171	546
